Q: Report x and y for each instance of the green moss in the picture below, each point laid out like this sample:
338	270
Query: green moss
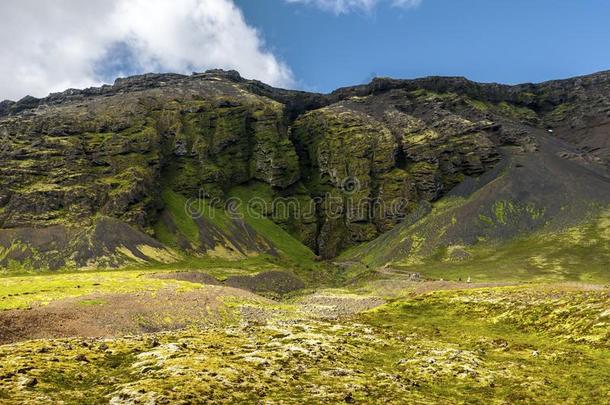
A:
526	97
580	253
478	104
25	291
445	346
560	112
176	205
502	209
515	112
285	242
164	235
89	303
419	93
422	167
433	96
485	219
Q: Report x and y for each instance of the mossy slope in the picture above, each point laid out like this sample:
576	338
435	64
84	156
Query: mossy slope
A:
358	162
536	215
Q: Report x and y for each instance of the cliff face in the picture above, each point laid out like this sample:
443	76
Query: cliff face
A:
84	159
108	154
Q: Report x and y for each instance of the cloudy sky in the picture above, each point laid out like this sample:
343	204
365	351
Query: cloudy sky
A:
310	44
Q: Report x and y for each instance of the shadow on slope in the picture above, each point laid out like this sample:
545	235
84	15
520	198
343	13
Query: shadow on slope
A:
108	243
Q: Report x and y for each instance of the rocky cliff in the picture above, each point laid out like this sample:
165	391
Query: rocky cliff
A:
99	177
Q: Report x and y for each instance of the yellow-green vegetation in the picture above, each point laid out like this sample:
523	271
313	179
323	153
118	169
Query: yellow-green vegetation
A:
536	344
561	112
427	95
576	253
503	211
25	291
478	104
28	289
255	216
523	114
375	253
183	216
526	97
270	245
579	253
477	244
221	268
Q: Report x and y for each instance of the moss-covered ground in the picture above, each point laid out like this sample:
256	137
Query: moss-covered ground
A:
532	344
531	326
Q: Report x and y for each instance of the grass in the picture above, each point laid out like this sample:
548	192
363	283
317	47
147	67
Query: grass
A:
536	344
176	204
292	253
90	303
576	253
18	291
580	253
521	341
280	238
25	291
478	104
223	268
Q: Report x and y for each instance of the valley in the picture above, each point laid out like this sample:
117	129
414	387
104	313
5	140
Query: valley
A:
212	239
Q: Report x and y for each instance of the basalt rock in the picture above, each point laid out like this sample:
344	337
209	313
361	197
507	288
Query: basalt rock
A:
359	160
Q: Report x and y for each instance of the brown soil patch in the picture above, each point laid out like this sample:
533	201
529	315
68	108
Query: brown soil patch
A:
120	314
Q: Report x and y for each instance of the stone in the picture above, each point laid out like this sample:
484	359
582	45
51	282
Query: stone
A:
81	358
29	382
75	156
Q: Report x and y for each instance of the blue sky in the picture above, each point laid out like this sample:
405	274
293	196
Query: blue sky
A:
503	41
316	45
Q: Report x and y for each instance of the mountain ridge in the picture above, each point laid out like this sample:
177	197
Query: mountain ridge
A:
77	157
29	102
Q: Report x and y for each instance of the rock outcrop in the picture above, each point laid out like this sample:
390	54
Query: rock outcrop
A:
358	160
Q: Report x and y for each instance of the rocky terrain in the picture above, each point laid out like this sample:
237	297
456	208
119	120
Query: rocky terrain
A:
92	170
433	343
211	239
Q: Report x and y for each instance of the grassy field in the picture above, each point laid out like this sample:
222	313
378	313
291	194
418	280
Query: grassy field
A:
535	344
531	326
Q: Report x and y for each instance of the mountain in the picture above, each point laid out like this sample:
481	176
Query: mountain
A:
162	167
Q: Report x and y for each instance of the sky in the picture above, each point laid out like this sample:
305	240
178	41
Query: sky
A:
314	45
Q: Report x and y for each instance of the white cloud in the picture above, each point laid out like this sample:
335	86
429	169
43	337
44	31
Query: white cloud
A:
347	6
53	45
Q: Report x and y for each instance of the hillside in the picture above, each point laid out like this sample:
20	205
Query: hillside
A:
211	239
149	170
